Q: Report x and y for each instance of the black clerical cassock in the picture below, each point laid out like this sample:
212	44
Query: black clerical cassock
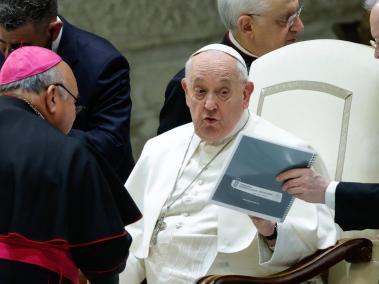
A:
61	206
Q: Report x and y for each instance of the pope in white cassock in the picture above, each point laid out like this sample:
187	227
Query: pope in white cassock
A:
182	236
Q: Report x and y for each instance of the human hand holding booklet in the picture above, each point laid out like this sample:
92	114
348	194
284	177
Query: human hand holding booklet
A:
248	181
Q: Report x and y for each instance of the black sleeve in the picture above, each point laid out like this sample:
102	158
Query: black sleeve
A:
174	111
102	262
112	279
107	124
100	207
357	206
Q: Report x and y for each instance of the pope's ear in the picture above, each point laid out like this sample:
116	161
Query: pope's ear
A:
50	98
184	85
249	88
185	88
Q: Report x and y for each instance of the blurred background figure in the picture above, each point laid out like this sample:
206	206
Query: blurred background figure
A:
254	27
157	37
101	71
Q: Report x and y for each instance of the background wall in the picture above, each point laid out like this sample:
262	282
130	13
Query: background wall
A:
158	36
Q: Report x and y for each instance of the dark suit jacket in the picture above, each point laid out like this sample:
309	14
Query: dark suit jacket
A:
175	111
55	187
357	206
102	74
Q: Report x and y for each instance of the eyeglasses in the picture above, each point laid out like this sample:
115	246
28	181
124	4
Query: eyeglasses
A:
290	21
78	106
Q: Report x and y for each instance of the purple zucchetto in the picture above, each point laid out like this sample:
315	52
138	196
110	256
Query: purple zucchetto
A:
27	61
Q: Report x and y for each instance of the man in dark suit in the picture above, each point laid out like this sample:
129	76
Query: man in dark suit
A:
255	28
62	208
356	204
101	71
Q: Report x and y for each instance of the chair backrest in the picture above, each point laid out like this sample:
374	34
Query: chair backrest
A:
326	92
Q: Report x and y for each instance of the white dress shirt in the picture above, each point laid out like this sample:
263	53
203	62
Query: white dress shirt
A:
330	194
57	41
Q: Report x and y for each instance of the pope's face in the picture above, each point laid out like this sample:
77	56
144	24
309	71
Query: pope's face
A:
215	95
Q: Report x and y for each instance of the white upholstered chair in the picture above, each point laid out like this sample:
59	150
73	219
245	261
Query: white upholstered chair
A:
326	92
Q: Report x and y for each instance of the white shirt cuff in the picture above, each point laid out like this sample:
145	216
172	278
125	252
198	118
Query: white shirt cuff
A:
330	194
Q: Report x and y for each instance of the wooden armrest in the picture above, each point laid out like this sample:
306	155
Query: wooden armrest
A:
82	278
352	250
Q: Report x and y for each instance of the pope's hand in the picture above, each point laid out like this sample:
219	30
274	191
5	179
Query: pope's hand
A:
264	227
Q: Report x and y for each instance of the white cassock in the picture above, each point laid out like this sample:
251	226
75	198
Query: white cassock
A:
202	238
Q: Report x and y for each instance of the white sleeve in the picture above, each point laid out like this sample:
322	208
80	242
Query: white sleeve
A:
307	228
134	272
330	194
319	166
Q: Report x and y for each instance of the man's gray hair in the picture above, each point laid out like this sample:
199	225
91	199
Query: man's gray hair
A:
370	3
16	13
241	69
36	83
231	10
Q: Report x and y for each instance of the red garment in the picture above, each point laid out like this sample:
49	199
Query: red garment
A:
53	255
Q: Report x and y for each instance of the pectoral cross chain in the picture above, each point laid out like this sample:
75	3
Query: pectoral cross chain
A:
160	225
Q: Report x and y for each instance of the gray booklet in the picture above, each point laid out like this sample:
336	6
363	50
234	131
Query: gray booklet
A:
248	181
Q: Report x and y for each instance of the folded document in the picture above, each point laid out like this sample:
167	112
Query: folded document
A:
248	181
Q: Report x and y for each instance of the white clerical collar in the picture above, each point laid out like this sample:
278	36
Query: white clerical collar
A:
56	42
235	42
